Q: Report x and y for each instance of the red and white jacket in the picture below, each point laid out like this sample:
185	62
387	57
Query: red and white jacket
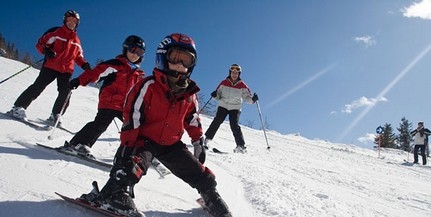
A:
230	95
66	44
153	112
118	78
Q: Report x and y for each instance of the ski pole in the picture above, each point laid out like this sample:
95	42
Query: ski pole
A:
205	105
61	112
119	131
21	70
263	126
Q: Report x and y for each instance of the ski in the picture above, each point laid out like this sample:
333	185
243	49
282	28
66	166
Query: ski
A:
215	150
49	127
26	122
157	166
99	209
62	150
163	171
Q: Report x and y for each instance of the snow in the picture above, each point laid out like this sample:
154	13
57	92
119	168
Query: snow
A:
296	177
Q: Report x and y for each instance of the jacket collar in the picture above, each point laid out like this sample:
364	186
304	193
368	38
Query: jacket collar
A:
162	79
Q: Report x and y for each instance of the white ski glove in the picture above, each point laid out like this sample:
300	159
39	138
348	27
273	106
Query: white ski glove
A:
199	150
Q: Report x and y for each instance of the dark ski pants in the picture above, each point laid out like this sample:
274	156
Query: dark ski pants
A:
415	153
89	134
177	158
233	121
46	76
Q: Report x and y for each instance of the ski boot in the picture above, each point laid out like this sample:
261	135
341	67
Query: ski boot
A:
215	204
119	198
18	113
240	149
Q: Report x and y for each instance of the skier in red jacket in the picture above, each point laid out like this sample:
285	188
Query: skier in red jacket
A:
62	49
118	76
157	111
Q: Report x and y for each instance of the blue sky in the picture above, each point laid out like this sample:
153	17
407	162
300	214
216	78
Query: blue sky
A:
332	70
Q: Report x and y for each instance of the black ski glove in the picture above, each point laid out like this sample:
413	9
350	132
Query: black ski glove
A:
199	150
86	66
214	94
49	53
74	83
255	97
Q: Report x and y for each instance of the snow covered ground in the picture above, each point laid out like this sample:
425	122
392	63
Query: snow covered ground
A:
296	177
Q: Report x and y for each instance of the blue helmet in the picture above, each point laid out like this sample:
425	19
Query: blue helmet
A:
176	40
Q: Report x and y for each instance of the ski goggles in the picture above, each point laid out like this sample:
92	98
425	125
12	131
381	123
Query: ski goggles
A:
177	55
136	50
236	68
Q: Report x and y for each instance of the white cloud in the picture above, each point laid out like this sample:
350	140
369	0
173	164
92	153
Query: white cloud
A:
368	138
362	102
420	9
367	40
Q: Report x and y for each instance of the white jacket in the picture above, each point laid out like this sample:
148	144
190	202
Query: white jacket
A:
231	95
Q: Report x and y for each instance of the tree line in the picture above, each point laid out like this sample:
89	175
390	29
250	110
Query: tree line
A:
9	50
389	139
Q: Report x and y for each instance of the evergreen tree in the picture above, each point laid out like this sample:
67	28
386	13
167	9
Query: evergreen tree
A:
26	59
404	139
388	138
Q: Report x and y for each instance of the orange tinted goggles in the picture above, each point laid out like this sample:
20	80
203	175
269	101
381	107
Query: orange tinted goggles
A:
136	50
178	55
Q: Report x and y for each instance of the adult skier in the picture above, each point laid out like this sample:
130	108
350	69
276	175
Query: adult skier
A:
230	93
62	49
420	135
157	111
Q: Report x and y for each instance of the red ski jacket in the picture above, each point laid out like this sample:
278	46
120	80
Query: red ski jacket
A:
151	111
66	44
117	76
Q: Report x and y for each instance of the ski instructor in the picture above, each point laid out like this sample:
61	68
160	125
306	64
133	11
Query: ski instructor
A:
62	49
156	112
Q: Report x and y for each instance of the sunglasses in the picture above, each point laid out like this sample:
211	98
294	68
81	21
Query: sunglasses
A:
136	50
236	68
178	55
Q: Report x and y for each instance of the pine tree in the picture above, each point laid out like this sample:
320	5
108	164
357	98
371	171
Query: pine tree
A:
404	139
388	138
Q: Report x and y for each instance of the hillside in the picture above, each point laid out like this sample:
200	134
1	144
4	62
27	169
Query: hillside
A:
296	177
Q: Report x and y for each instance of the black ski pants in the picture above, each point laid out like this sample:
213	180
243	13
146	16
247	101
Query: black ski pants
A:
415	153
46	76
233	121
177	158
89	134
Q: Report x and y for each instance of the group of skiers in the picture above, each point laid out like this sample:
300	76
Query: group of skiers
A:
155	110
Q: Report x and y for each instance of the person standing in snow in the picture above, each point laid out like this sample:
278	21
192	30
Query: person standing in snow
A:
230	93
157	111
62	49
420	135
118	76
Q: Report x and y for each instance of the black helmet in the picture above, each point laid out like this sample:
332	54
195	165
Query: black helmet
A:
134	41
71	13
175	40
